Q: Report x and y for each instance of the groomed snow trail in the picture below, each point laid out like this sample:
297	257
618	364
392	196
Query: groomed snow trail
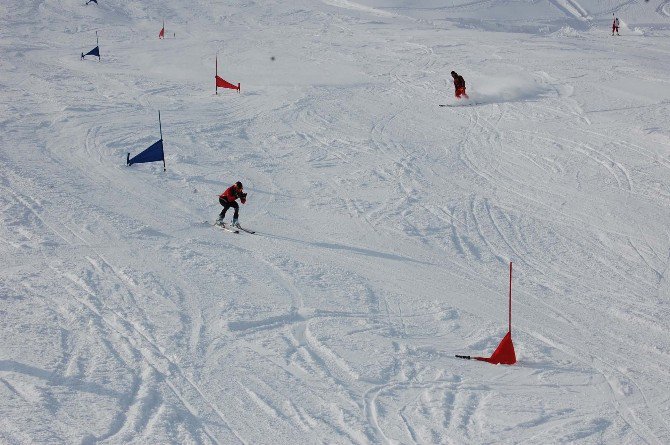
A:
384	223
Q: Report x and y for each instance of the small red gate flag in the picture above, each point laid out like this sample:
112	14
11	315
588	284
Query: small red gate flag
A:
161	35
220	83
504	353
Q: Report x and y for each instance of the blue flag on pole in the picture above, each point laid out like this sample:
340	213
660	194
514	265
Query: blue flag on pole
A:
152	154
94	52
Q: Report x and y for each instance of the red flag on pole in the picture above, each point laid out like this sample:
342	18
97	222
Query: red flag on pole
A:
504	353
161	35
220	83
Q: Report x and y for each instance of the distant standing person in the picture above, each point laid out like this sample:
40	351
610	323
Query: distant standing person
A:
228	199
615	26
459	84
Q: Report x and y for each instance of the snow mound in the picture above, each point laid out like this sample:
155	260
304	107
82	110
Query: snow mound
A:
625	29
566	31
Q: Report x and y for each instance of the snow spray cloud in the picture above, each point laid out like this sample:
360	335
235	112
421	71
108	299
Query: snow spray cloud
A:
507	88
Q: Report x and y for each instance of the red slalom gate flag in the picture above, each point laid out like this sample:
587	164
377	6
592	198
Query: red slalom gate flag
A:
504	353
161	35
220	83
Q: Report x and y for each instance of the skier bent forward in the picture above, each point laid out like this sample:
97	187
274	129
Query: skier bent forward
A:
228	199
459	84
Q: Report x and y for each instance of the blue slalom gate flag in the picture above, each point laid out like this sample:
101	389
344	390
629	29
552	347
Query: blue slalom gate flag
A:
94	52
153	153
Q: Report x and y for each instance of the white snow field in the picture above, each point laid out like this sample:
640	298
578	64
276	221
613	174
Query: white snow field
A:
385	224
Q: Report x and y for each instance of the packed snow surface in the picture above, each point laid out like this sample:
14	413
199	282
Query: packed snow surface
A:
385	224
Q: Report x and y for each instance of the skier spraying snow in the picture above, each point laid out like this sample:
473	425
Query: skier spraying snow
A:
459	84
615	25
228	199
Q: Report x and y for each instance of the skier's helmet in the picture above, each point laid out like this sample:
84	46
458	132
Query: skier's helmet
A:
239	185
453	73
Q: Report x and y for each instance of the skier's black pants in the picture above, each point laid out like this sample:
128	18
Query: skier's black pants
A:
226	205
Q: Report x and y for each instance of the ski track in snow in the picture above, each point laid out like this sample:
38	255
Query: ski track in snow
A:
664	8
384	224
572	9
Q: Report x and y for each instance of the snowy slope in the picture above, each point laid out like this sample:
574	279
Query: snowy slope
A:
529	16
385	223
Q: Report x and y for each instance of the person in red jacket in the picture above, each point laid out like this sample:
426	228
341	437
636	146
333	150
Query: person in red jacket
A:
228	199
615	25
459	84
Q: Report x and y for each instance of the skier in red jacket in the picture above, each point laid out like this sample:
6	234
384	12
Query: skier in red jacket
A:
615	25
228	199
459	84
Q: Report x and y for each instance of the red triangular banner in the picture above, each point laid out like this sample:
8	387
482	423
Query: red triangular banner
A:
504	353
161	35
220	83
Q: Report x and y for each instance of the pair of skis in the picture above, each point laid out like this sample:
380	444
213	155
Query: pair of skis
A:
461	104
233	229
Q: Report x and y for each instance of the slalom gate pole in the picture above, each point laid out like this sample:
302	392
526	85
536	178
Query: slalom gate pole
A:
216	73
510	297
160	128
466	357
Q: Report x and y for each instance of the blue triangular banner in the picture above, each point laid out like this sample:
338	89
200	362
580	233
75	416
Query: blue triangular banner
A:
94	52
152	154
